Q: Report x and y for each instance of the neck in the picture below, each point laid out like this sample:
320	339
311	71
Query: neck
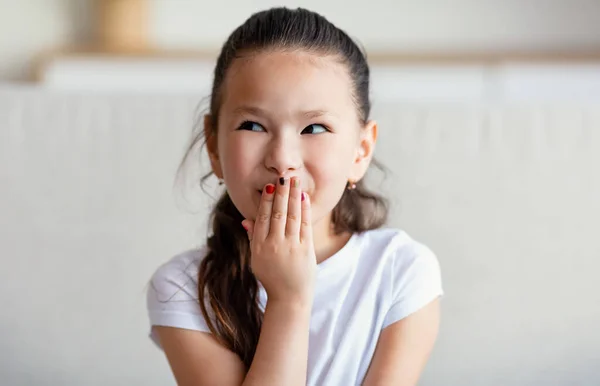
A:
326	242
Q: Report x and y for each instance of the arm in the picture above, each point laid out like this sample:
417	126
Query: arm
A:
283	259
282	352
404	348
197	359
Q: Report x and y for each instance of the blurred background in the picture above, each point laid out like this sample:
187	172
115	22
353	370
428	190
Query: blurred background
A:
489	116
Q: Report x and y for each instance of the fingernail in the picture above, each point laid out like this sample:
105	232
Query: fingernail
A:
303	196
281	181
295	183
270	189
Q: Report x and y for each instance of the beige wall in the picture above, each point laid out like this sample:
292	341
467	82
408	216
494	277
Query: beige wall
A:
507	197
29	26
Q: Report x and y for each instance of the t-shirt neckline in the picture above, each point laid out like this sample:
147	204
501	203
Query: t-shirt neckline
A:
340	257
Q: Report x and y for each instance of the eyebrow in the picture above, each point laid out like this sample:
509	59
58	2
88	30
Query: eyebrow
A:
309	114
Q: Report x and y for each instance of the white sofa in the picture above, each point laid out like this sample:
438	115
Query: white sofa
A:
508	196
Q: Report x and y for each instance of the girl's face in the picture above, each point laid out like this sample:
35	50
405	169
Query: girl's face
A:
284	115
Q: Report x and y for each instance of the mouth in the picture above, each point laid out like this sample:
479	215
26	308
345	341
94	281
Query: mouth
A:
260	192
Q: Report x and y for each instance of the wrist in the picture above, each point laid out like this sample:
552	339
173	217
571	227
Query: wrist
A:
294	305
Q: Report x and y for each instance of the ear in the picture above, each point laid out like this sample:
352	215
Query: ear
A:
210	134
364	151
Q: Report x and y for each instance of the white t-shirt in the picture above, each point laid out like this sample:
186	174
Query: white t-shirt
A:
379	277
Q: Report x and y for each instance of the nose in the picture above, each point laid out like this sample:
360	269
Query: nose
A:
284	155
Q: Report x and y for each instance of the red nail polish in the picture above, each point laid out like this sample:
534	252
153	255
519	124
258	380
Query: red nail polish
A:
270	189
303	196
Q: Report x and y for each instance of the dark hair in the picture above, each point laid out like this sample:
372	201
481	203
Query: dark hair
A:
225	282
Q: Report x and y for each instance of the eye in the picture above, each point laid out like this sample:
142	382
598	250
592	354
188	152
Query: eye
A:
315	128
251	126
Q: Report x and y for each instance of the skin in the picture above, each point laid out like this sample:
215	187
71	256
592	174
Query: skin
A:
302	125
305	125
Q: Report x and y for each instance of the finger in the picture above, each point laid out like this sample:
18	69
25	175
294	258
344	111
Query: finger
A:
263	217
294	211
249	227
306	234
279	211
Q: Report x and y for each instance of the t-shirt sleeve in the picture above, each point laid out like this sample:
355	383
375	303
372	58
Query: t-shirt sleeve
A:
172	299
416	282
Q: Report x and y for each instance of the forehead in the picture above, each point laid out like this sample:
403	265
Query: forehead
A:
289	81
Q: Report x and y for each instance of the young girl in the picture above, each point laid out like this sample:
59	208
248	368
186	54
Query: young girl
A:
298	282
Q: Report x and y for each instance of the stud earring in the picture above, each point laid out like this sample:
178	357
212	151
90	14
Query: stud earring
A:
351	185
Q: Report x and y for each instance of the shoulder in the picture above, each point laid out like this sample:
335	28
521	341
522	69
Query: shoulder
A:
412	267
397	246
177	279
172	295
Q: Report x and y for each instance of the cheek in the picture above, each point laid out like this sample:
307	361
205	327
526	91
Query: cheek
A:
239	159
330	165
239	163
331	159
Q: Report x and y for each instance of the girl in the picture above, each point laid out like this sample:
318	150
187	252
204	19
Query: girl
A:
298	282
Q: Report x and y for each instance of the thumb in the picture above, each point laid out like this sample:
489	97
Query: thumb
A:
249	227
